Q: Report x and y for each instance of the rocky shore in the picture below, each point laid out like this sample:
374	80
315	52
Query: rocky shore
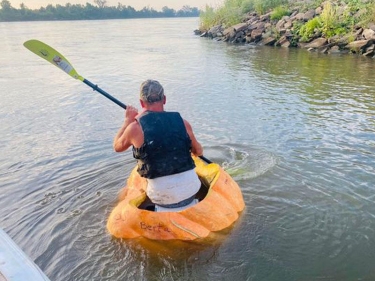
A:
262	30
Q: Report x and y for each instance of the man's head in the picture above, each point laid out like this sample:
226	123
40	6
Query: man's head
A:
151	91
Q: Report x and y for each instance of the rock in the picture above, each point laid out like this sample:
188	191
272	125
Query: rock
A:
370	51
357	46
204	34
248	39
310	14
299	16
288	33
280	25
260	25
301	44
213	32
240	27
317	43
256	25
251	27
288	24
293	14
197	32
252	20
358	33
229	33
372	47
371	26
265	17
368	34
267	25
283	42
256	34
334	50
269	41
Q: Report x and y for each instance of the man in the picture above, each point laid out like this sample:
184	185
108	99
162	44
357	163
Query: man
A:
162	144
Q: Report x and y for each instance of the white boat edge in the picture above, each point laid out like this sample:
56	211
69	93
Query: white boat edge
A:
15	265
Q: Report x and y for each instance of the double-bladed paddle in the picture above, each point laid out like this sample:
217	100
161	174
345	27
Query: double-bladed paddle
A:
51	55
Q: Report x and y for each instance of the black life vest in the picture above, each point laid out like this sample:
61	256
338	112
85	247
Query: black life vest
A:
166	149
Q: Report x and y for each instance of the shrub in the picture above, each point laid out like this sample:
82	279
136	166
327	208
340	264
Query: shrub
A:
332	24
370	15
263	6
279	12
247	6
207	18
329	19
307	31
229	14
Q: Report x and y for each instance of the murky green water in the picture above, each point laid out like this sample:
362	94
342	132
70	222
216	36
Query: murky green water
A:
295	129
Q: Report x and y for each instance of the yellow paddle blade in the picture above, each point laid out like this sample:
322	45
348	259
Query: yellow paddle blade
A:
51	55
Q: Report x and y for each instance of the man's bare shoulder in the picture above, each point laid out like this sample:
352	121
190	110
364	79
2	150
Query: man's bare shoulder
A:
135	134
133	128
187	125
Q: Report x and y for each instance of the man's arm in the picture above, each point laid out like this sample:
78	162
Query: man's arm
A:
123	138
196	147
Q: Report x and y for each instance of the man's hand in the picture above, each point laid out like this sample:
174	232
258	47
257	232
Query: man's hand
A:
130	114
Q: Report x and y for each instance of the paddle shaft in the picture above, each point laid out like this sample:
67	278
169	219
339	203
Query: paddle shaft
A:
104	93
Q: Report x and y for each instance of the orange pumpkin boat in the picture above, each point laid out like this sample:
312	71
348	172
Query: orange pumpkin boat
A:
220	203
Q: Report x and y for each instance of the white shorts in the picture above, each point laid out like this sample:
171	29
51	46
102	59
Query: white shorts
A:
173	188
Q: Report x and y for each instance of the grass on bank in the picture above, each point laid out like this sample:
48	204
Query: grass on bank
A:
331	22
233	11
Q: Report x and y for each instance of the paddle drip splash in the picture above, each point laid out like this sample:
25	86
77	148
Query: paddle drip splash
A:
243	164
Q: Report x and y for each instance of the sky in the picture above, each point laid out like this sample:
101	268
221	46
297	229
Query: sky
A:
137	4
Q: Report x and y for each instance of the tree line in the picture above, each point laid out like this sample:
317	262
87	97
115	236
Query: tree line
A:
88	12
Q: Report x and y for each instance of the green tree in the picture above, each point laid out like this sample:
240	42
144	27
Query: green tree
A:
5	5
168	12
185	11
7	11
100	3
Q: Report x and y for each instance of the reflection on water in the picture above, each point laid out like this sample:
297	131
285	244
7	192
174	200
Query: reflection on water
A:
295	129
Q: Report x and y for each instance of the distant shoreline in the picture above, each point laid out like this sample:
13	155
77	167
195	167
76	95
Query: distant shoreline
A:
88	12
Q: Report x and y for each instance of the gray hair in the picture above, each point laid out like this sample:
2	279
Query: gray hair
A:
151	91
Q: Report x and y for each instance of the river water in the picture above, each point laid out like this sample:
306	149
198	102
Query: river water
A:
295	129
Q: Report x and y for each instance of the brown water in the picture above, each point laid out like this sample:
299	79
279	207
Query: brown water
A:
295	129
